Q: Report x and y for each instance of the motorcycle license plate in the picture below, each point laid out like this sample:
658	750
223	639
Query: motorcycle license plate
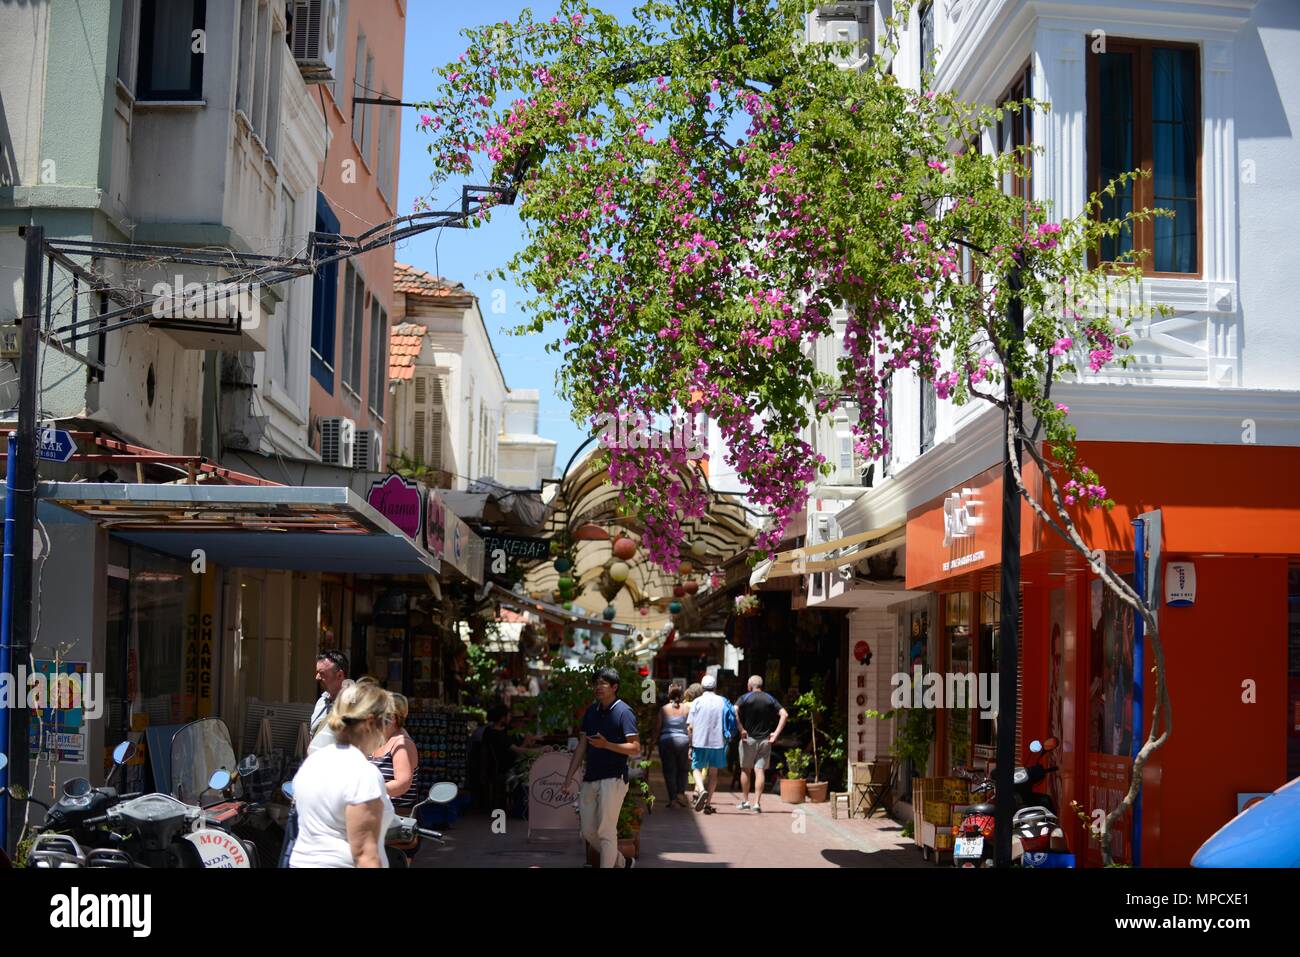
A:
968	847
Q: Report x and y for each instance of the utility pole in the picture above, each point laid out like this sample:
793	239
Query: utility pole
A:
1008	632
18	551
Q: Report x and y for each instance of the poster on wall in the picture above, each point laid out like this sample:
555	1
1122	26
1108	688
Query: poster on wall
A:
435	527
63	726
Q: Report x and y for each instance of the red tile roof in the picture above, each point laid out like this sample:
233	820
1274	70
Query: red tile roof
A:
417	282
404	344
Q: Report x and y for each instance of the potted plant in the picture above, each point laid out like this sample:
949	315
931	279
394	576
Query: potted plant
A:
793	786
809	707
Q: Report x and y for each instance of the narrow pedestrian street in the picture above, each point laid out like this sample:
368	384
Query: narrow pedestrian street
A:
675	837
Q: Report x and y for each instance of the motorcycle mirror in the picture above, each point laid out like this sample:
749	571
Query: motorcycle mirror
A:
4	761
77	787
287	789
443	793
123	753
1051	744
17	792
220	780
1036	746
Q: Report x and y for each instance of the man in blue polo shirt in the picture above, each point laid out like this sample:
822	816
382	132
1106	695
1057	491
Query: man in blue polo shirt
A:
607	740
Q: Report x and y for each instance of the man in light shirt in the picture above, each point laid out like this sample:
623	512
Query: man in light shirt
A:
708	745
332	673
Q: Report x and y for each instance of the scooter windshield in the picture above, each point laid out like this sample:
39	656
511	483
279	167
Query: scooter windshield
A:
199	749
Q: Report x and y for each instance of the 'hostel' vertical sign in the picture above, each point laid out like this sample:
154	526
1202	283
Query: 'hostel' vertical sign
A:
200	645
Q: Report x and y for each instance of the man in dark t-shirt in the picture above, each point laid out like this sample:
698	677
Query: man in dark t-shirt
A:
608	739
761	719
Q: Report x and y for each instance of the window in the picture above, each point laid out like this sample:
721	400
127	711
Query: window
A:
957	630
1015	132
358	73
284	369
170	69
340	84
354	321
368	112
271	136
1144	113
925	19
986	661
247	48
928	412
384	152
262	58
378	357
126	43
324	300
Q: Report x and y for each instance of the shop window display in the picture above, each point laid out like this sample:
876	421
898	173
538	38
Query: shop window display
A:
1110	712
160	596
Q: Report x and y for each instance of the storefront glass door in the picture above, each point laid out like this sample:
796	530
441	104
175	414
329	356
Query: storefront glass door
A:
961	661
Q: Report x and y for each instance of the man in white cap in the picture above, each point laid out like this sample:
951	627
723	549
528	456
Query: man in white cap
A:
708	744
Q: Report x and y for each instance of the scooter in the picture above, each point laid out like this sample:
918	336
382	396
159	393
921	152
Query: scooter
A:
973	838
65	839
157	830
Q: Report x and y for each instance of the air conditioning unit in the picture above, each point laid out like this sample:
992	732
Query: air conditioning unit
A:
316	36
338	441
850	21
369	453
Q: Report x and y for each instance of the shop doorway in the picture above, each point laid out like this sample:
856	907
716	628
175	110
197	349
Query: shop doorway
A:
1293	673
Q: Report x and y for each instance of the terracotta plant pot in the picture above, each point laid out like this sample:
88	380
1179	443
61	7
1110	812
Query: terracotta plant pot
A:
819	792
793	792
630	847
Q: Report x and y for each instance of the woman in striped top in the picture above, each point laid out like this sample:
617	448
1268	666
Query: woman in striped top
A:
398	760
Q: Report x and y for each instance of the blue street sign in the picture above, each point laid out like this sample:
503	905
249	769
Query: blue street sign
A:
55	445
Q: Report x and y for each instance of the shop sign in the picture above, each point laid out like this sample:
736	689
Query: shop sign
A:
57	727
963	515
435	526
398	500
549	807
462	547
1180	584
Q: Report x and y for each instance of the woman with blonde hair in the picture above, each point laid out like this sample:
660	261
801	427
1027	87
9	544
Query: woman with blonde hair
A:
397	758
342	805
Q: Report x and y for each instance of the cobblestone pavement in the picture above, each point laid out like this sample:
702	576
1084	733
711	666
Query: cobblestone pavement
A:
781	836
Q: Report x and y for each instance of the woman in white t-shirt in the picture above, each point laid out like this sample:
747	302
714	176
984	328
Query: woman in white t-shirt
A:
342	805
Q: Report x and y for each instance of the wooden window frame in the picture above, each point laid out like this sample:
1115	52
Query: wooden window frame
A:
1020	88
1143	146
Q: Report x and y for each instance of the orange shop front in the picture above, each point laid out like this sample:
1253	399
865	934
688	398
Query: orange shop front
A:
1232	655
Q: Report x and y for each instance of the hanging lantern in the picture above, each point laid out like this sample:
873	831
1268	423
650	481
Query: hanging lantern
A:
555	547
699	549
675	607
591	533
608	642
645	611
644	671
563	564
566	583
609	613
619	571
568	606
625	549
557	595
678	591
684	569
691	586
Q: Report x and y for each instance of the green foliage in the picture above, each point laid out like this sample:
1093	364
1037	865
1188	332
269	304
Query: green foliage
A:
912	736
810	706
483	669
796	764
568	693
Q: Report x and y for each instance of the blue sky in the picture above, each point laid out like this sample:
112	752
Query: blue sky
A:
433	38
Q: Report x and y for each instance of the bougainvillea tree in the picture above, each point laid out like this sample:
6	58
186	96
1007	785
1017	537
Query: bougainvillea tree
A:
702	193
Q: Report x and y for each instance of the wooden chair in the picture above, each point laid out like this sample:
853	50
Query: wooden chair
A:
872	786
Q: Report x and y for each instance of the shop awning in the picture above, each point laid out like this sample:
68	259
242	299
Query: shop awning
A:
795	562
326	529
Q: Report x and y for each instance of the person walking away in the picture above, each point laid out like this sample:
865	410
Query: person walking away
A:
343	808
607	739
708	743
398	760
674	745
761	719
